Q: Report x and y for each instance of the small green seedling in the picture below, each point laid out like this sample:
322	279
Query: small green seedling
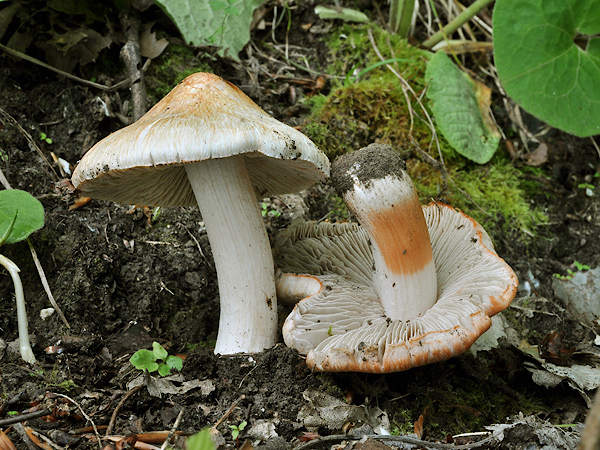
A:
20	215
44	137
156	360
266	212
586	186
236	429
580	268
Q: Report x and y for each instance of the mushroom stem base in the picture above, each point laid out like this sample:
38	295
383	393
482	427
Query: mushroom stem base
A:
241	252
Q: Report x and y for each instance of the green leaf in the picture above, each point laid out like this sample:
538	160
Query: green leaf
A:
458	111
346	14
144	360
200	441
223	23
164	370
30	215
549	61
159	351
174	362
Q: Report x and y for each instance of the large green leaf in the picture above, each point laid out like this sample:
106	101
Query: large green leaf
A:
458	112
549	61
29	214
223	23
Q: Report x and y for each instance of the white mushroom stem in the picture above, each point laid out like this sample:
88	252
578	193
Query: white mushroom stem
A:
24	345
241	252
389	210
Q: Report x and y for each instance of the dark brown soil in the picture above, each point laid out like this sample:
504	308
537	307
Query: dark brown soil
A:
124	280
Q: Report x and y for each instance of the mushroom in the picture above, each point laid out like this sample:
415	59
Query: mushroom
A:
209	144
411	286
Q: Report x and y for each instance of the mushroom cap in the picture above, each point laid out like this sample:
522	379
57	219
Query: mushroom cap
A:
203	117
343	327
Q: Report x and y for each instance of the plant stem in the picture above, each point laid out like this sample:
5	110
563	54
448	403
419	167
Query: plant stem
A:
401	14
457	22
24	345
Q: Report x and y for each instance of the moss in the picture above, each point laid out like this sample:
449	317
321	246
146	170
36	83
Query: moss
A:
375	109
493	194
172	66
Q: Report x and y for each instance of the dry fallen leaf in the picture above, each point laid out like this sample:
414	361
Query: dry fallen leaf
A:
150	47
537	157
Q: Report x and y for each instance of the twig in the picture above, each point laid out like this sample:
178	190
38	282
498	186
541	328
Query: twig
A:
387	438
174	429
24	417
42	275
113	418
229	411
31	142
47	440
20	429
457	22
131	56
18	54
88	418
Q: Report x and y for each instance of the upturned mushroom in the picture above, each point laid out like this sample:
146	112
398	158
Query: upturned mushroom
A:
411	286
209	144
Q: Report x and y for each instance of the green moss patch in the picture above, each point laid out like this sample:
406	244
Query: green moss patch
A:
377	108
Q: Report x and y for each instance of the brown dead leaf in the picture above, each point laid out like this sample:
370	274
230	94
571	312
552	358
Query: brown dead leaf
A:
79	46
150	47
537	157
36	440
418	427
483	94
5	442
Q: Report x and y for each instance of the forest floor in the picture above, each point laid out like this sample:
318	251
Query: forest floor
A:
125	279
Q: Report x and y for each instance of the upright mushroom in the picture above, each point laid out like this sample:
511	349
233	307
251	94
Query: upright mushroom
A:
209	144
411	286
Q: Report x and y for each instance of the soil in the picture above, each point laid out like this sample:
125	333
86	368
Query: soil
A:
124	279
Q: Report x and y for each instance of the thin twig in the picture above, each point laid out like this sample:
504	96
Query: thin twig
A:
47	440
131	56
31	142
113	418
229	411
24	417
387	438
42	275
20	429
173	429
88	418
456	23
18	54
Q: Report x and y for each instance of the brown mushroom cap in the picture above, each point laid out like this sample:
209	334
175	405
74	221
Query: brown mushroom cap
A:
203	117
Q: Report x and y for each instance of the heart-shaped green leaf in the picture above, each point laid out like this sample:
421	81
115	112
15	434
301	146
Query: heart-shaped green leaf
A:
548	60
29	212
144	360
458	112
